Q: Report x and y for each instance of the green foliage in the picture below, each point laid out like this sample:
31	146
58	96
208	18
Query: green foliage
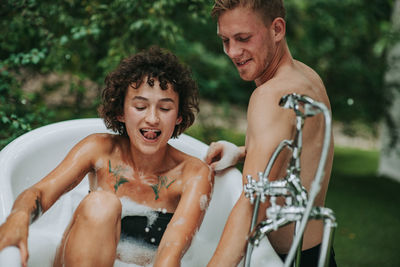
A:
345	41
366	208
216	76
89	38
19	112
210	133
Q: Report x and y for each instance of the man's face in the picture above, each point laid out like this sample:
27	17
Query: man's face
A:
247	41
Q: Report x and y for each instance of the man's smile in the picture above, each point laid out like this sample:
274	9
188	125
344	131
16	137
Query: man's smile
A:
242	63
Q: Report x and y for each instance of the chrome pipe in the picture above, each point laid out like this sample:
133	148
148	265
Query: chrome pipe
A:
316	184
298	206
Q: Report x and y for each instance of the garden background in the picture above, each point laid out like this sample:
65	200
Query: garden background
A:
54	56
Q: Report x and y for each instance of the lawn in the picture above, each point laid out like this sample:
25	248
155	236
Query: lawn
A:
367	210
366	206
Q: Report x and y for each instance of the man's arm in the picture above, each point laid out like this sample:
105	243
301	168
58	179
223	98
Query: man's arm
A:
224	154
268	125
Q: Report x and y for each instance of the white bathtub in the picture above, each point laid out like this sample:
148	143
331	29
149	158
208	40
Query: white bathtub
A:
30	157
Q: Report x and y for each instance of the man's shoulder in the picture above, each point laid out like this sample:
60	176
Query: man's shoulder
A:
298	78
271	91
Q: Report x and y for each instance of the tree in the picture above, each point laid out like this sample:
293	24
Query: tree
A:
390	152
343	40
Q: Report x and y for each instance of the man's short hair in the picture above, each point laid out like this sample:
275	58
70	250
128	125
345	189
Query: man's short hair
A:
146	66
268	9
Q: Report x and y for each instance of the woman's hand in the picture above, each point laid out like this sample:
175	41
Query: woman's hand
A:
14	232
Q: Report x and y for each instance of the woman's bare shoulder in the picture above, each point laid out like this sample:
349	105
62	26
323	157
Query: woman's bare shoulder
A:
197	165
192	165
197	175
101	142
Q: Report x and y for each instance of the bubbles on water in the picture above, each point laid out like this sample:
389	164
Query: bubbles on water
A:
131	208
147	229
164	210
131	250
210	174
98	165
203	202
152	240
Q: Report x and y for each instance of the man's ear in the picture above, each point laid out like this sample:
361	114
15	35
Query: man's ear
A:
178	120
278	25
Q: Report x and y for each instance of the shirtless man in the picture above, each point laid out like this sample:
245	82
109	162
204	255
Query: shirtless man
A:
163	192
253	36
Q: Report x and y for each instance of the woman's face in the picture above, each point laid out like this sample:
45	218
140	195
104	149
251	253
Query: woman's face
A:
150	116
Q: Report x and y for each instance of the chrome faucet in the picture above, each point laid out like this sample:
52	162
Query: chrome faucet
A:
298	207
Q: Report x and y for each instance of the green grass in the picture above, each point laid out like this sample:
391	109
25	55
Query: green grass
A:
367	210
366	206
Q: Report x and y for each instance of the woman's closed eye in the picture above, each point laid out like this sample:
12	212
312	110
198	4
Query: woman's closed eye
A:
165	109
140	108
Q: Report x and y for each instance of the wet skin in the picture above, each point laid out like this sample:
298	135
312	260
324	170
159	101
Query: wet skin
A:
243	36
260	53
122	166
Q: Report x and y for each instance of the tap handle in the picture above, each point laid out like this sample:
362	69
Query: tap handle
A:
249	188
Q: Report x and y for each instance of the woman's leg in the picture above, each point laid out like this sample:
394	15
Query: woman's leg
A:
92	236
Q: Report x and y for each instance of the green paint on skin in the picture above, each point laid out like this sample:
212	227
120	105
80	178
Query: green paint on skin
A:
163	181
119	179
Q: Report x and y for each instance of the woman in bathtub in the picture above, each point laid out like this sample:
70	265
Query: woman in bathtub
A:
144	195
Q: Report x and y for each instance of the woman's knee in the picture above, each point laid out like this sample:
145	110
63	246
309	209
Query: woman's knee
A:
100	206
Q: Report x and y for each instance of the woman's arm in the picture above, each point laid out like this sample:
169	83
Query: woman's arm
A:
187	217
14	232
30	204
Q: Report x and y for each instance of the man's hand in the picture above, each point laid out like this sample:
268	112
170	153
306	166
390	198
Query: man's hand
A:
223	154
14	232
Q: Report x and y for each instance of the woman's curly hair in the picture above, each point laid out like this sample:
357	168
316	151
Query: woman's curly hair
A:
154	63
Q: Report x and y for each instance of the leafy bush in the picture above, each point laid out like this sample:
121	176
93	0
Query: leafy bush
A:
344	41
18	113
